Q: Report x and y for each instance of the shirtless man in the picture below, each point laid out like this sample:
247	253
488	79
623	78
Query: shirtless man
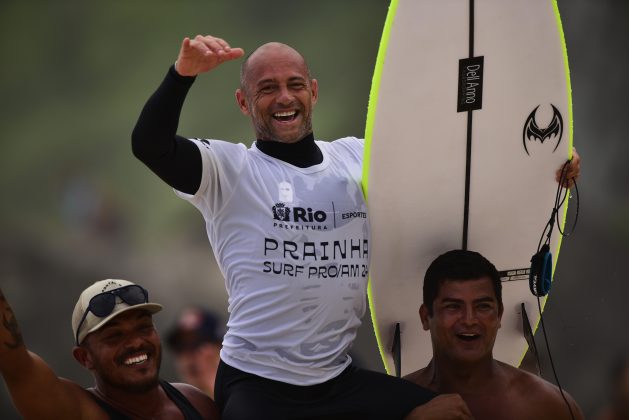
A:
462	310
117	341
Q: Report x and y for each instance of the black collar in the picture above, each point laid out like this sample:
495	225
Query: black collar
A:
302	154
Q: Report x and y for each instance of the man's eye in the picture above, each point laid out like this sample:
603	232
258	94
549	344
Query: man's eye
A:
113	336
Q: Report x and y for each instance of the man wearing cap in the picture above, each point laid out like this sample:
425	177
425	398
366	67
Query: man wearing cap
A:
116	340
195	340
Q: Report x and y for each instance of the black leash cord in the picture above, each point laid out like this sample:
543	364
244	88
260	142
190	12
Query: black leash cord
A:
550	357
560	198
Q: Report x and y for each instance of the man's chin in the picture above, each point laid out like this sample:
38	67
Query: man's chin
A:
470	357
289	134
139	381
287	137
290	140
141	385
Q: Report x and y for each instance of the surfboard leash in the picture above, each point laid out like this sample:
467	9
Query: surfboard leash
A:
540	277
550	358
541	263
560	197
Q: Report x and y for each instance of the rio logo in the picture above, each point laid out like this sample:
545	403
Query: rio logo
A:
297	214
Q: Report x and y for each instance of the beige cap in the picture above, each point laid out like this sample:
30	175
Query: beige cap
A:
93	322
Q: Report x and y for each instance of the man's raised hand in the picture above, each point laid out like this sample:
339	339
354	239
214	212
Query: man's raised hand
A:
203	53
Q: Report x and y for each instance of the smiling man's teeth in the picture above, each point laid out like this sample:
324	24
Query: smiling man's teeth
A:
284	114
135	360
468	336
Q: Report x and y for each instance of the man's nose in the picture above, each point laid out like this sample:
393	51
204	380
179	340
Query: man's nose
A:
469	315
285	95
134	340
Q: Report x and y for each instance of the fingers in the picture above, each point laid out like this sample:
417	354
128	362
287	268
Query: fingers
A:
208	45
465	410
571	171
442	407
222	43
236	53
459	406
203	53
574	169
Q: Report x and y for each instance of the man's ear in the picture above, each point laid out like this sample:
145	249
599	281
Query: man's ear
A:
241	100
423	315
83	356
501	310
314	88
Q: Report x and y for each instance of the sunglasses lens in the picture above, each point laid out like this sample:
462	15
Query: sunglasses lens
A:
102	305
133	295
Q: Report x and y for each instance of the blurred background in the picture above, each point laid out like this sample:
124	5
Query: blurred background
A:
77	207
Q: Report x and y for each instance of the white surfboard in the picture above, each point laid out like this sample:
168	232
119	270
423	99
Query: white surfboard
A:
469	118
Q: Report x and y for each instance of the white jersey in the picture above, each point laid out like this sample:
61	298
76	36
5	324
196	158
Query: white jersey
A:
293	245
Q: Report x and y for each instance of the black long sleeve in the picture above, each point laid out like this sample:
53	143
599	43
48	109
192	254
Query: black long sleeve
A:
175	159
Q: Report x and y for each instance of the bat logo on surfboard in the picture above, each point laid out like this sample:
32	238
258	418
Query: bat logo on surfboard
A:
533	132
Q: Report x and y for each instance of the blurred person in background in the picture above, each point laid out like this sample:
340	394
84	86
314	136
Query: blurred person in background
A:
195	341
115	339
618	407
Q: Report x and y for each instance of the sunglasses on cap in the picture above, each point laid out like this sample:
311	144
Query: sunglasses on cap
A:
104	303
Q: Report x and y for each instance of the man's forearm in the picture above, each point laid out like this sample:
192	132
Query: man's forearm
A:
27	375
12	350
155	142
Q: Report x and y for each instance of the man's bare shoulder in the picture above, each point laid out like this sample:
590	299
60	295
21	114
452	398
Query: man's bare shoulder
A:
200	400
420	377
520	381
86	406
529	390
